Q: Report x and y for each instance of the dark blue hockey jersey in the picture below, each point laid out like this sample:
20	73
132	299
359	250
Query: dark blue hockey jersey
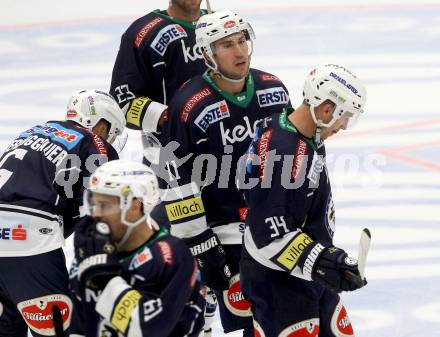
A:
160	282
156	56
286	195
215	128
42	177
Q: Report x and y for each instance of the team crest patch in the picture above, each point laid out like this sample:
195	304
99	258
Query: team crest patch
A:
258	331
307	328
38	313
340	324
234	299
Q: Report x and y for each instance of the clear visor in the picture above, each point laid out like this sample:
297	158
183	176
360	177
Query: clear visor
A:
119	141
97	205
229	43
352	118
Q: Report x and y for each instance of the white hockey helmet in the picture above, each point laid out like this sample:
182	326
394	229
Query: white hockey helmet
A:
215	26
337	84
127	180
88	107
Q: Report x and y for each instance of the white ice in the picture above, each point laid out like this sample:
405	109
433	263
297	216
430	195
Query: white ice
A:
385	173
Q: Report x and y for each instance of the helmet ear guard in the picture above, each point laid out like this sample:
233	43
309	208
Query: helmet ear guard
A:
338	85
88	107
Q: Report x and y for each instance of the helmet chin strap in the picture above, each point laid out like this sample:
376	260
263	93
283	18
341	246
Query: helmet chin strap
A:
211	64
130	225
318	124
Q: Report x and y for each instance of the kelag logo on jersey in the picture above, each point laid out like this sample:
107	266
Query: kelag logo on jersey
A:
13	233
211	114
272	96
165	36
67	137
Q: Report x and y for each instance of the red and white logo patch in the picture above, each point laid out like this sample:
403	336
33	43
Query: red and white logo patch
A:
258	331
229	24
307	328
234	299
38	313
192	102
340	324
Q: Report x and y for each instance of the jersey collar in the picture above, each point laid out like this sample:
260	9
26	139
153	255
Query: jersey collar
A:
242	99
186	24
287	125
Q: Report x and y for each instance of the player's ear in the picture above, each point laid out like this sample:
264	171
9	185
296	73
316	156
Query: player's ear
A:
327	108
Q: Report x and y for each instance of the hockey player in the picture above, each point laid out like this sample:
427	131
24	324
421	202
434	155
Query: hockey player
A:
290	270
156	56
158	53
41	185
213	116
130	277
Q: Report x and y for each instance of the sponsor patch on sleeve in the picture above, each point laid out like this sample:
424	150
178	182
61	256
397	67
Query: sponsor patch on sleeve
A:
185	208
288	257
141	258
211	114
167	35
166	251
272	96
143	33
137	106
124	308
192	102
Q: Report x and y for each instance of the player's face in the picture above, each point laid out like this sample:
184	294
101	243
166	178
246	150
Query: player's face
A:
232	56
187	5
106	208
101	129
339	124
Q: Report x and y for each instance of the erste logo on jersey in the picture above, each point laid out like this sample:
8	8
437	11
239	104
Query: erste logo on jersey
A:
272	96
211	114
14	233
167	35
141	258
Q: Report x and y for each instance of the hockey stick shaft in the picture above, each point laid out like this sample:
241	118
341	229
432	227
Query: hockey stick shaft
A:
58	321
208	7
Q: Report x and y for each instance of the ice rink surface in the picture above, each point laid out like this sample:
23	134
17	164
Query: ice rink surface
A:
385	173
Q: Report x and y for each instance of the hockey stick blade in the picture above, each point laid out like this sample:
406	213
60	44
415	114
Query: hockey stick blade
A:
364	247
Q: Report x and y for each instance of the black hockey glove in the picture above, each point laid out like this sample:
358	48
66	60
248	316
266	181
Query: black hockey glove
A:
95	254
331	267
211	258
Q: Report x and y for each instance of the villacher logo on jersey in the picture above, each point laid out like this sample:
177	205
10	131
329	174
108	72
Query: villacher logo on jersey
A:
15	233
